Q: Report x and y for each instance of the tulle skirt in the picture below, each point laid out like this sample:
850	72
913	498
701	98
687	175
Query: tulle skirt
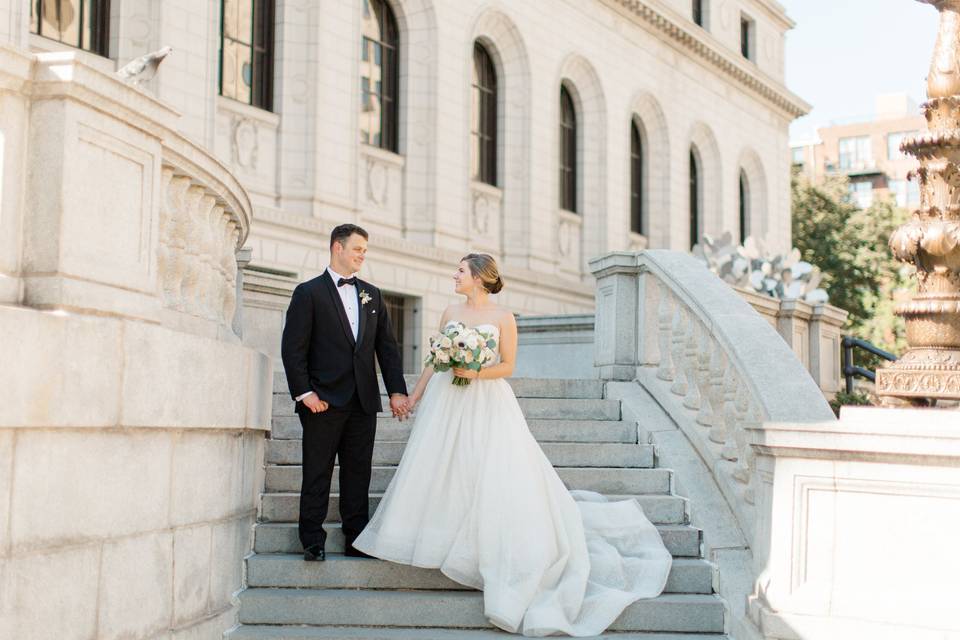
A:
475	497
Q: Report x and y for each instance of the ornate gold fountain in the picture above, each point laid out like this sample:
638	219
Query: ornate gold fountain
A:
930	369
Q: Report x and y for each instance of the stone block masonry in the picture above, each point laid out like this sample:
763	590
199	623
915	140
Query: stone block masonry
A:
132	418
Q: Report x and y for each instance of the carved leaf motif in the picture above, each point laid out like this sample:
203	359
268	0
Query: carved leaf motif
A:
905	241
940	238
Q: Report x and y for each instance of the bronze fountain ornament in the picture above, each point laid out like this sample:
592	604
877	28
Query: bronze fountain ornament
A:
930	240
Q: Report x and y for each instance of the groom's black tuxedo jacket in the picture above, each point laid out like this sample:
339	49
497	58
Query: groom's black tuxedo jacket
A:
319	351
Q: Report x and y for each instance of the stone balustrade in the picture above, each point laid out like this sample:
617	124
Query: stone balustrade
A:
122	214
132	418
715	369
701	349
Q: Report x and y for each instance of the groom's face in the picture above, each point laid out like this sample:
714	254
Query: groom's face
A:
350	254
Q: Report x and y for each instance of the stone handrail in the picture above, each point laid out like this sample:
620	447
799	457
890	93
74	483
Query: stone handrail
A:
145	223
204	221
706	355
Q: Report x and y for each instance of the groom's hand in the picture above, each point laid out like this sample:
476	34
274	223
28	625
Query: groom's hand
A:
315	404
399	406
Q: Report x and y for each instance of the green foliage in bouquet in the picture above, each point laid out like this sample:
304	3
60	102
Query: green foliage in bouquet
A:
460	347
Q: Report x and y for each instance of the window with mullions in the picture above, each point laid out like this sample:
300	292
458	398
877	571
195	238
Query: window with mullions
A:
483	126
246	51
84	24
695	198
379	76
636	179
699	13
744	206
746	37
568	152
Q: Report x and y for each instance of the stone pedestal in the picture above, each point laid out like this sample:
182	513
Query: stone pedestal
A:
617	307
857	525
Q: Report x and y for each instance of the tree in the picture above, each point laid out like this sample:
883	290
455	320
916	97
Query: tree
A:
849	245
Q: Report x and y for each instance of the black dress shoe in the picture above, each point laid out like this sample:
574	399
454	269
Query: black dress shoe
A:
353	552
314	553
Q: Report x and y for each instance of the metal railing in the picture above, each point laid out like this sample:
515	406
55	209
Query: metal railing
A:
850	369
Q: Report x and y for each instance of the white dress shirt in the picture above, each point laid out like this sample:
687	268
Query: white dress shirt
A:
348	296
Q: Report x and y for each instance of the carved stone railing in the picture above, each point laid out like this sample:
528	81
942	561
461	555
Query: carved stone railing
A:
204	220
123	376
715	365
143	223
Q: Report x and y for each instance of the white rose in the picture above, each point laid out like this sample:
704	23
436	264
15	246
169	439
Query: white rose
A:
446	342
473	341
468	357
443	358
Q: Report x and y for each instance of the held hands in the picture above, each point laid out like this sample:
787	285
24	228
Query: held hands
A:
400	406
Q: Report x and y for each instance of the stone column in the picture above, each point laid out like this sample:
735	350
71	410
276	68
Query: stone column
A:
243	259
617	325
826	333
793	323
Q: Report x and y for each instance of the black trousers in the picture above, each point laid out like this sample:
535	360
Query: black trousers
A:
346	433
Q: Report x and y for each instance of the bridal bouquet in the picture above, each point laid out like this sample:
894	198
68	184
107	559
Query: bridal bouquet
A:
458	346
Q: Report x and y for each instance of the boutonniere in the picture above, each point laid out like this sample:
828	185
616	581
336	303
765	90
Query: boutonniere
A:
364	297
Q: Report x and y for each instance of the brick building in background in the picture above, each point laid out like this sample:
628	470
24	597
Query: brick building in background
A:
867	152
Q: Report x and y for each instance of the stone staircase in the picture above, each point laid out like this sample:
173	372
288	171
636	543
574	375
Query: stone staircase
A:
583	436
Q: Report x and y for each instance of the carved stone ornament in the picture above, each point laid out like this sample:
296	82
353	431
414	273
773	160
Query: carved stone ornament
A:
245	145
564	238
481	214
377	180
930	240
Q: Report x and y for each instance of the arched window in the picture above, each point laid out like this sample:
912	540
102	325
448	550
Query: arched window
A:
84	24
483	126
568	152
695	198
744	206
246	51
636	179
379	76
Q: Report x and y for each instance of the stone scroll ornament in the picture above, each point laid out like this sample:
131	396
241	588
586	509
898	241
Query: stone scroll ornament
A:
929	372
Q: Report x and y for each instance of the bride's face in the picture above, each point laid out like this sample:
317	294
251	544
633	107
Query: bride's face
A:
463	280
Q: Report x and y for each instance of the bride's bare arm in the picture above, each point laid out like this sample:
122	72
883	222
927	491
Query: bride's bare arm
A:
508	354
427	369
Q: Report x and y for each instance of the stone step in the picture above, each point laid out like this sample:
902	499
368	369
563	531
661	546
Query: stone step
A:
389	429
285	507
522	387
602	480
687	575
464	609
681	540
285	632
549	408
560	454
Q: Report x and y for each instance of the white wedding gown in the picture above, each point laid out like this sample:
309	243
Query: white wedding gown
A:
475	497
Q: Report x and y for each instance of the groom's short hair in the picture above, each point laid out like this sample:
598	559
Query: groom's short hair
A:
341	232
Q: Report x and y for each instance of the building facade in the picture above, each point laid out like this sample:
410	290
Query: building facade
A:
542	133
867	153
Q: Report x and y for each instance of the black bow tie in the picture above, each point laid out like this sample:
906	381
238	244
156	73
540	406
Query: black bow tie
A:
343	281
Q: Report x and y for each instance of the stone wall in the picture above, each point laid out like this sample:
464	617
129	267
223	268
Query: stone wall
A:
306	170
131	416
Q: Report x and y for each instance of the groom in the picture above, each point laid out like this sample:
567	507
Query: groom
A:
336	324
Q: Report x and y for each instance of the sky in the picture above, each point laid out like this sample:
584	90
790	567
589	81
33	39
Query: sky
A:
843	53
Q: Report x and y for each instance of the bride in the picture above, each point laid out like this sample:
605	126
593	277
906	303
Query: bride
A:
475	497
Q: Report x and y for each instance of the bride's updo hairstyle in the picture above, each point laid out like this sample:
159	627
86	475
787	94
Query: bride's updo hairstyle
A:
484	267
